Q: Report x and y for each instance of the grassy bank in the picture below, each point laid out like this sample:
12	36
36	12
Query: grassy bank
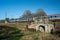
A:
15	33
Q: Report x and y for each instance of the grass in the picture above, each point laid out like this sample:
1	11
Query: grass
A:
9	33
32	35
39	36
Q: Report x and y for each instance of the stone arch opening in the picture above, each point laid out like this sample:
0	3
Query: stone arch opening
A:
52	31
41	28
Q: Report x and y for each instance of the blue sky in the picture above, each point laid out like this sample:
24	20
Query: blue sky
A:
16	8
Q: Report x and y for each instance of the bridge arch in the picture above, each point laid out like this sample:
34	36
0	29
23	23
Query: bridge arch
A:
45	27
41	28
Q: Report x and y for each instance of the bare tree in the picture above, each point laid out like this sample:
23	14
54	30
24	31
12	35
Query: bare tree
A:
40	12
26	14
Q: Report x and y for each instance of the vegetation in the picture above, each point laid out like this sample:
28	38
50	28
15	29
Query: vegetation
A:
9	33
17	31
40	12
7	19
26	14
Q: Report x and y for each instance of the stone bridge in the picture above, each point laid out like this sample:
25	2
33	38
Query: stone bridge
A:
42	27
45	27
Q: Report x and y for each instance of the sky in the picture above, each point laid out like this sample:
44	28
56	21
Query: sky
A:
16	8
